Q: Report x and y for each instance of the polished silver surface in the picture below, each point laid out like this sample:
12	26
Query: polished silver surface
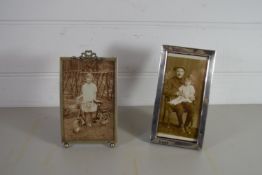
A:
165	49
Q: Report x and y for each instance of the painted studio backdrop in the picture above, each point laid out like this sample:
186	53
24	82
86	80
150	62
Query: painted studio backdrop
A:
88	97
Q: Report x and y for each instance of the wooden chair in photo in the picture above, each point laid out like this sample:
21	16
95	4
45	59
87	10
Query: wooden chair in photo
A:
168	111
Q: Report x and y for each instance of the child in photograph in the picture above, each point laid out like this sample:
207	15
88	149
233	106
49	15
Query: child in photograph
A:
87	100
186	93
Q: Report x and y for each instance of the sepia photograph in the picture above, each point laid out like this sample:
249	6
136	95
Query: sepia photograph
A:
179	103
88	100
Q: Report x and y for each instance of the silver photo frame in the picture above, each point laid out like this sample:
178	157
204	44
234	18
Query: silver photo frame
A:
182	98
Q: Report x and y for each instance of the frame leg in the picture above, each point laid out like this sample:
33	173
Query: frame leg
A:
111	145
66	145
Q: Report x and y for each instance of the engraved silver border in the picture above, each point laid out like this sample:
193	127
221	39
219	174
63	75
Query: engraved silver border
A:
210	54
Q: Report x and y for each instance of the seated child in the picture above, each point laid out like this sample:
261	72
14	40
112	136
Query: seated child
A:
186	93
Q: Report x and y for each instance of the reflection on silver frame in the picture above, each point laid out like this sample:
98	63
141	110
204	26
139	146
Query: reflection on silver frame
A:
210	56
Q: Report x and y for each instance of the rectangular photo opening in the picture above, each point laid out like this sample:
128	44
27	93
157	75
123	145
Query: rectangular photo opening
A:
182	94
88	100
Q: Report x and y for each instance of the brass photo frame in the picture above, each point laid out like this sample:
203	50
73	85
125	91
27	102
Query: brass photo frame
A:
182	97
88	101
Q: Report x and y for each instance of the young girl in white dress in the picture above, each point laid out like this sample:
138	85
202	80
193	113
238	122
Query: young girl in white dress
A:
186	93
88	100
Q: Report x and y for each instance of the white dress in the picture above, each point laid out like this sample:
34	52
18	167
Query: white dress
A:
89	95
186	94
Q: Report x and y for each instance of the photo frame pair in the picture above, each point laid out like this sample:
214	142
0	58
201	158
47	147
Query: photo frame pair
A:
89	106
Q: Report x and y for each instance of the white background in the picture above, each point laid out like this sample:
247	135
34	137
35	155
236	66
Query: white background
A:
34	34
